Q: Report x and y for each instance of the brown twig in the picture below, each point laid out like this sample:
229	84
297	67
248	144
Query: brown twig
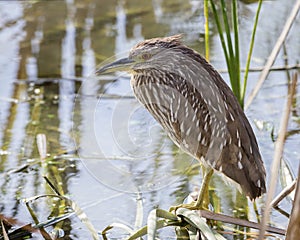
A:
241	222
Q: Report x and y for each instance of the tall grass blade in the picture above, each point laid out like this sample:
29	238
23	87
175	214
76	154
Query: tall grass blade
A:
231	46
206	27
250	50
227	29
236	60
232	65
220	31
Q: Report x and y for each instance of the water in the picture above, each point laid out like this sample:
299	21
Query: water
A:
49	51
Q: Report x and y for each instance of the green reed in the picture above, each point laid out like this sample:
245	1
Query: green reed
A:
229	37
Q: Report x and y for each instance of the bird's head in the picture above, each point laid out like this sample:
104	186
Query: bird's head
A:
145	55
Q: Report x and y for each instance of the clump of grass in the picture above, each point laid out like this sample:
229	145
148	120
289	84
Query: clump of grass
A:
230	44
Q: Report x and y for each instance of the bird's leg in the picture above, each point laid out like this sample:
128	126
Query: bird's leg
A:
202	199
203	193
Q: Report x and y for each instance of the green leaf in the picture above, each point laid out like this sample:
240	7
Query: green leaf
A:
250	51
196	221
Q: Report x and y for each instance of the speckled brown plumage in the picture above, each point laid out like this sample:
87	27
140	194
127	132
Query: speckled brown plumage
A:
197	109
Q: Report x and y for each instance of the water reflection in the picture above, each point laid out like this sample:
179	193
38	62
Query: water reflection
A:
49	50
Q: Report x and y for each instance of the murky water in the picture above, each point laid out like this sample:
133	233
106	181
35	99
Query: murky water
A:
103	147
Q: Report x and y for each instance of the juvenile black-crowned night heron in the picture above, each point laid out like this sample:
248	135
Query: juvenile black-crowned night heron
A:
197	109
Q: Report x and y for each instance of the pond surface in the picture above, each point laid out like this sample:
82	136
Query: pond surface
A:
104	151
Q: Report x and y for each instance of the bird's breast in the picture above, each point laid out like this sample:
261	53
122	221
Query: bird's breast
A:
183	116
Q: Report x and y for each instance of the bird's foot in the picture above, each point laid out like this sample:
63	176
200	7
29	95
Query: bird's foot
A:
200	198
190	206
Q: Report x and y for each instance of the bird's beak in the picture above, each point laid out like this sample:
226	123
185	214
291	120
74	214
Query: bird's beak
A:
122	64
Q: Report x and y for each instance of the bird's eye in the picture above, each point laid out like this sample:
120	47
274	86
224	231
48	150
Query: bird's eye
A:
146	56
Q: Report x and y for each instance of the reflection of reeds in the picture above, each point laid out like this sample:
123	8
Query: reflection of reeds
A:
64	203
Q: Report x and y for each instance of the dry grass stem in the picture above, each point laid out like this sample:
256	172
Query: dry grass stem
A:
241	222
293	231
286	191
279	144
274	53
